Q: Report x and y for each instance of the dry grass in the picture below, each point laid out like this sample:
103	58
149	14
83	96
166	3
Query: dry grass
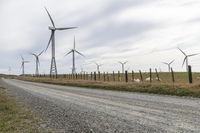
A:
178	89
14	118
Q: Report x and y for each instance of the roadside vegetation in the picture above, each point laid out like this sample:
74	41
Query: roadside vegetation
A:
14	118
181	88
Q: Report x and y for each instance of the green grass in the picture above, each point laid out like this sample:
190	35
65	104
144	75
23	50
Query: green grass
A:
177	89
14	118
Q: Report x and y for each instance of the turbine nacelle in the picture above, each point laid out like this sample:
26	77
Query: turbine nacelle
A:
52	28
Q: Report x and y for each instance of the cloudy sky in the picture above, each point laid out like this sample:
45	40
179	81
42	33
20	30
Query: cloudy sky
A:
142	32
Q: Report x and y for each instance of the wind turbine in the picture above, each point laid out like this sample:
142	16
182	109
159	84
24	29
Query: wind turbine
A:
186	58
123	63
53	28
73	51
98	66
23	64
37	63
168	64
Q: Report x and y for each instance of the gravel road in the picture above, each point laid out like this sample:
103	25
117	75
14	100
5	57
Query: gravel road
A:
82	110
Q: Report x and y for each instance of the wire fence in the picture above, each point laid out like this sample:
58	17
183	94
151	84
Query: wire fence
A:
152	76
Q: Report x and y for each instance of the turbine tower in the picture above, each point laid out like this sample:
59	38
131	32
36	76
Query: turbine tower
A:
23	65
169	65
53	68
186	58
37	63
73	51
123	63
98	66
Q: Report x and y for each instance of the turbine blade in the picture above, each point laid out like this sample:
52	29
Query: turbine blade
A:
68	53
182	52
120	62
184	61
66	28
40	53
50	17
95	63
193	55
165	63
52	34
79	53
171	62
33	54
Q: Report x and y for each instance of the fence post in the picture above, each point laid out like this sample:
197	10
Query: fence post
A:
104	76
157	75
133	76
141	77
84	76
107	76
99	75
91	77
118	75
190	74
95	76
87	76
173	79
113	76
126	76
150	75
81	76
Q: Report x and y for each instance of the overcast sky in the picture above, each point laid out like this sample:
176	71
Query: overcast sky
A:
142	32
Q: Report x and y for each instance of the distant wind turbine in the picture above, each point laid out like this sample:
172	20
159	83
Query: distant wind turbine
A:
186	58
168	64
53	69
37	63
23	64
73	51
98	66
123	63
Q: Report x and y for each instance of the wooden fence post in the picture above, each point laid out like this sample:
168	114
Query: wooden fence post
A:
126	76
87	76
133	76
113	76
107	76
190	74
157	75
99	75
172	73
150	75
104	76
91	77
141	77
118	75
95	76
81	76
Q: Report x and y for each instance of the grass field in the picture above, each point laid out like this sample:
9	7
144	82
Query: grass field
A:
180	88
14	118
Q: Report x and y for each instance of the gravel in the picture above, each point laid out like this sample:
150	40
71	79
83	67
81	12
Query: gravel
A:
82	110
